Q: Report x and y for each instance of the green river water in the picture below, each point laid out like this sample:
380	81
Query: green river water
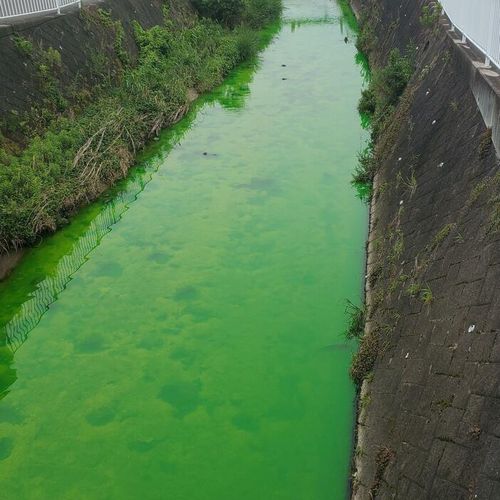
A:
182	338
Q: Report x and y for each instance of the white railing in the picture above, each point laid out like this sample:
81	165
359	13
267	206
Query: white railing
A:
16	8
479	23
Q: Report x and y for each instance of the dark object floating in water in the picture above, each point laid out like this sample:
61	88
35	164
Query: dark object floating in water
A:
283	65
346	40
284	78
205	153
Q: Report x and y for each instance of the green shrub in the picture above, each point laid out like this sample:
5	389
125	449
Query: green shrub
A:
386	87
227	12
52	58
366	168
247	44
391	81
258	13
232	13
23	45
368	102
366	40
431	14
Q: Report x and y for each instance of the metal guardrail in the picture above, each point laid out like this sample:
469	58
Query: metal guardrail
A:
17	8
479	23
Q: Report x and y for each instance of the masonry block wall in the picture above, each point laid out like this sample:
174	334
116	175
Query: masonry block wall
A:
429	423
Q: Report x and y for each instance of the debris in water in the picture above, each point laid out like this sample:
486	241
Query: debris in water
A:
471	328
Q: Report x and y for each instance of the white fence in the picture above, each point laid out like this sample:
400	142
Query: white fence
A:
15	8
479	22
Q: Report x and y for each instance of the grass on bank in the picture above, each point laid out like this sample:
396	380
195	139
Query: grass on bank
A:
377	106
77	158
356	324
378	102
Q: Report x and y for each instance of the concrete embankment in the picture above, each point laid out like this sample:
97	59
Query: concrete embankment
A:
429	423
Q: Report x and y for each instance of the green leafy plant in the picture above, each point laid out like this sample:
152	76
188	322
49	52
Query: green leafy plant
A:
386	87
427	296
431	14
231	13
440	236
367	39
368	102
23	45
414	289
398	247
366	168
72	159
356	326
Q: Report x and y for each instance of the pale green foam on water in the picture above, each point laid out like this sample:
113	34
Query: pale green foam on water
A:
182	338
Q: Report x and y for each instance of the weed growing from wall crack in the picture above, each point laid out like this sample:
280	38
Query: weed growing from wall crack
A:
378	102
441	235
366	168
431	14
23	45
356	326
427	296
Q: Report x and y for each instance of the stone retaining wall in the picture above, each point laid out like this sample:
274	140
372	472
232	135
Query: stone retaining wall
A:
429	424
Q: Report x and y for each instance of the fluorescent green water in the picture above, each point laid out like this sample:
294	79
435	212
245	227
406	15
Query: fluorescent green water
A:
182	339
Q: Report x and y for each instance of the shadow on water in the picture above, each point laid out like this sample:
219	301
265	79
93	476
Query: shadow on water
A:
25	298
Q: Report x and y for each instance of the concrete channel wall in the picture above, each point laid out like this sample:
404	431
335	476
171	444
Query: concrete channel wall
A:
429	421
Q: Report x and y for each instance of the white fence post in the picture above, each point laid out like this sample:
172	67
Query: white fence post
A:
16	8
